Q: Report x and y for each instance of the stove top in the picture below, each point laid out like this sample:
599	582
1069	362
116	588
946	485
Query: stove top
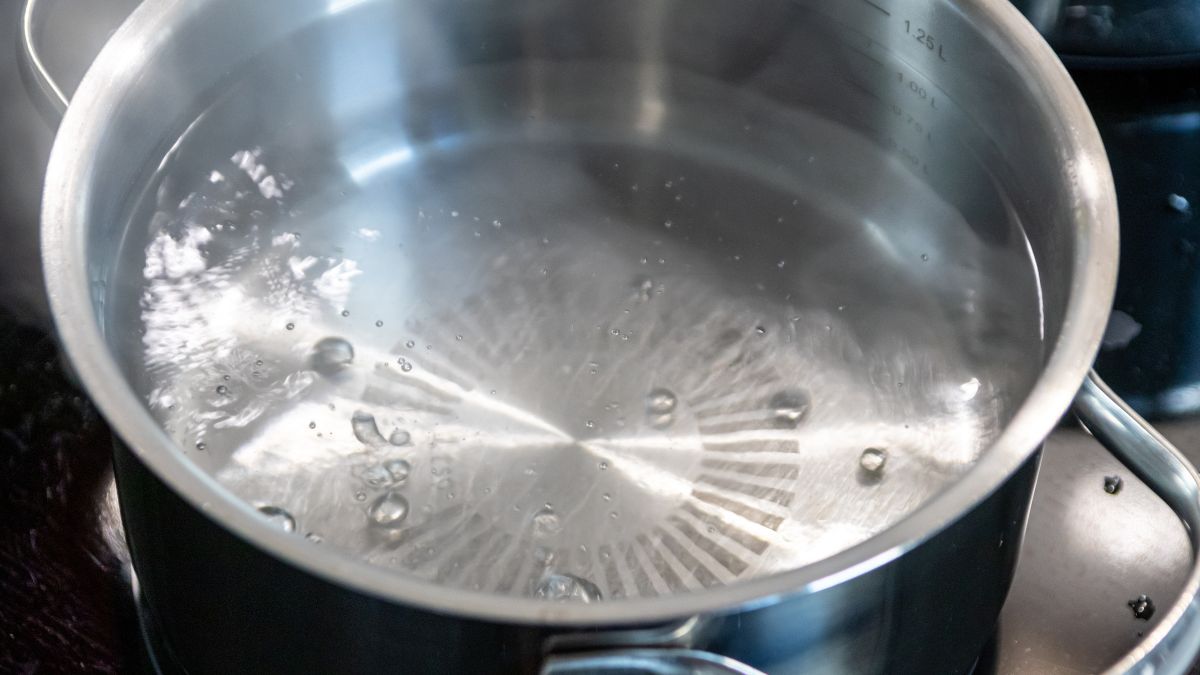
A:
65	601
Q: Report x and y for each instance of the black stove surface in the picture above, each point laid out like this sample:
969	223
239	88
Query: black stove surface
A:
65	604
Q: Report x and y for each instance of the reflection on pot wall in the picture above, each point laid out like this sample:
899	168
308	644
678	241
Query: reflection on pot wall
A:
22	166
69	40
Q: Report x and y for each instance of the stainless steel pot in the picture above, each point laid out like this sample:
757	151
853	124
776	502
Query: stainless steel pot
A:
946	85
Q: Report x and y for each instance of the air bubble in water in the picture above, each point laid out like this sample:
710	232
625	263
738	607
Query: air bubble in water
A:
279	518
400	437
1113	484
388	511
661	402
546	522
873	460
365	429
662	421
1143	608
440	466
660	407
376	477
331	355
644	287
397	469
567	588
788	408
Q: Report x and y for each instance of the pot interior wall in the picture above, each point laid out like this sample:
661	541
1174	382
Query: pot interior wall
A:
641	297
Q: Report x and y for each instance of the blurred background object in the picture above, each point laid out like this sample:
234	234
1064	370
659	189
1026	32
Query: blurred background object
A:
1137	63
1119	33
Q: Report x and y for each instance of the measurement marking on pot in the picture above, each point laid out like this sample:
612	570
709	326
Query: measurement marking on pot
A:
926	38
866	55
917	89
910	121
862	88
877	7
907	155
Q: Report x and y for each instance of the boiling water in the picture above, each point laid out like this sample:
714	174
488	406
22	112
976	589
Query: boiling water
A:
550	357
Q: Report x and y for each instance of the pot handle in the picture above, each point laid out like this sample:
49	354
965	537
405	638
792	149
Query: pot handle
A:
1172	646
37	78
662	661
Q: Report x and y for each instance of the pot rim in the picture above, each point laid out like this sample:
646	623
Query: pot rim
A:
64	228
